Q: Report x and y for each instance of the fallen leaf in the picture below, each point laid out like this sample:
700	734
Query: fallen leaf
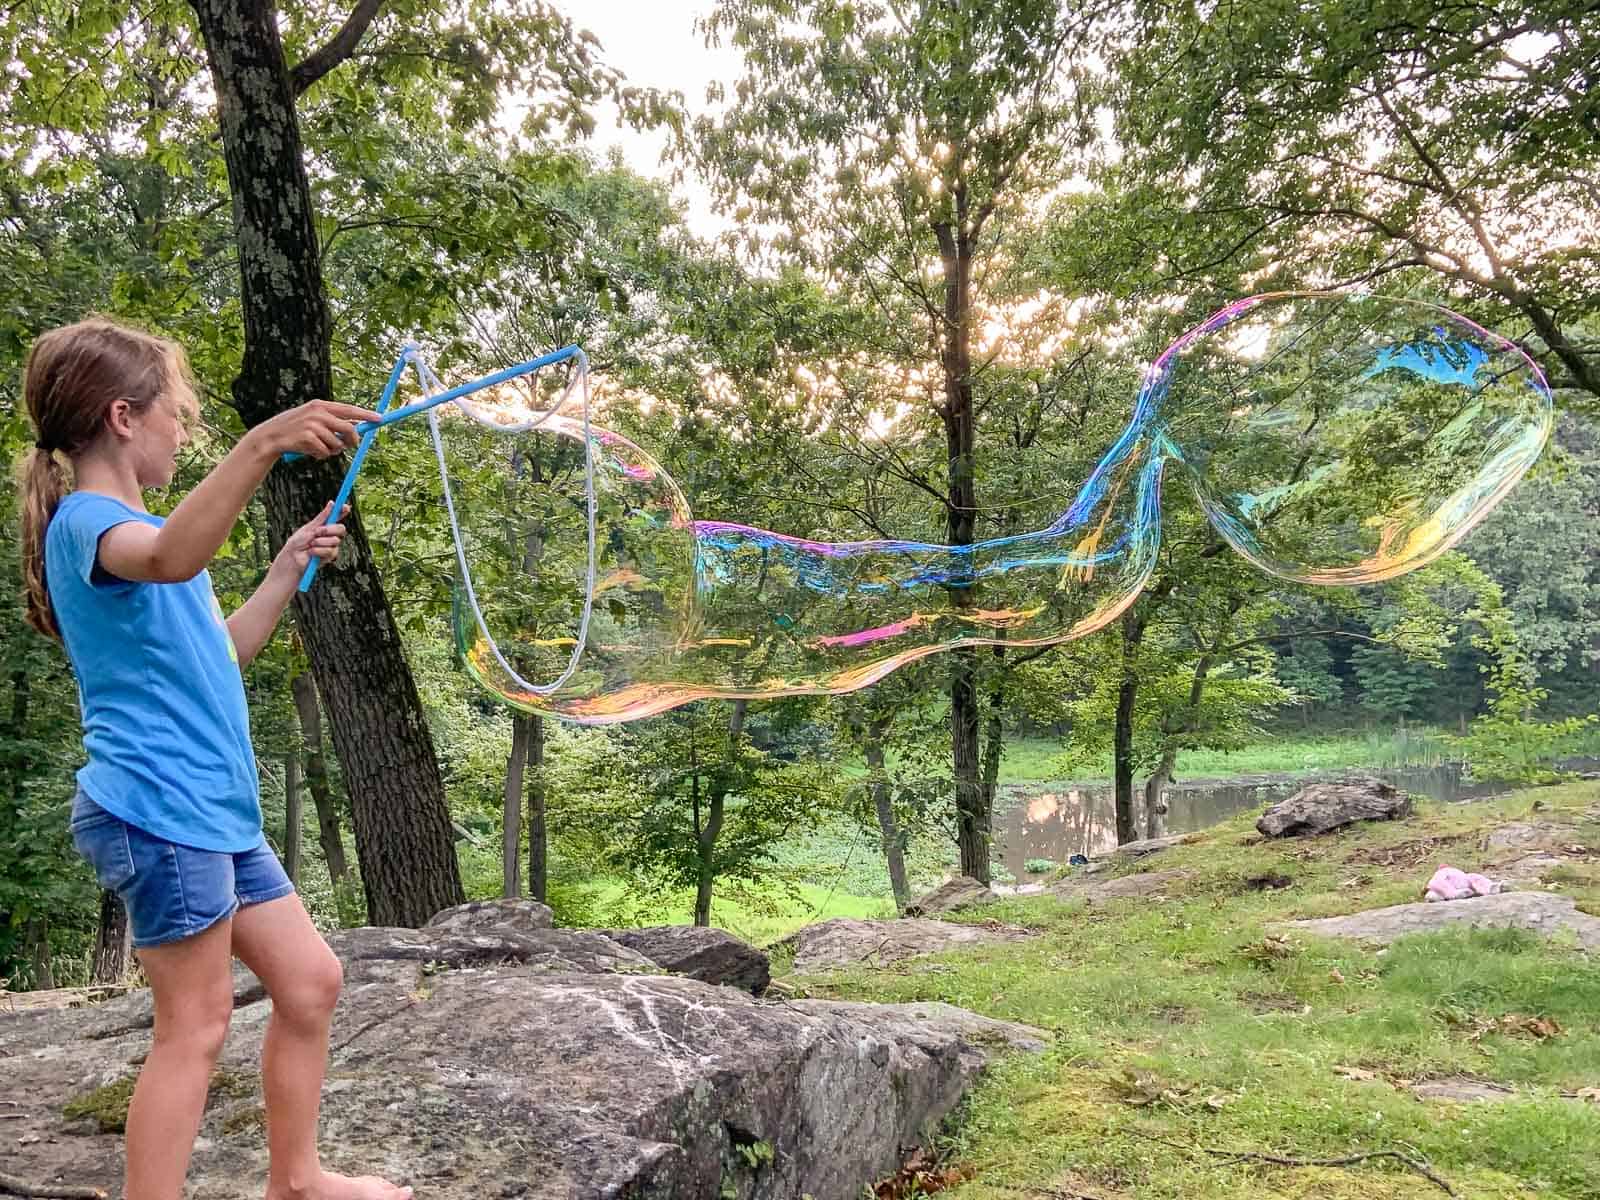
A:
1336	975
1215	1103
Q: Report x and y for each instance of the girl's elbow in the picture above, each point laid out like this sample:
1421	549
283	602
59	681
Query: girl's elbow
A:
172	569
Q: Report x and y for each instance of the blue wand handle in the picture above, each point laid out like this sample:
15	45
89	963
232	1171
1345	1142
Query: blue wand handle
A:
369	429
369	432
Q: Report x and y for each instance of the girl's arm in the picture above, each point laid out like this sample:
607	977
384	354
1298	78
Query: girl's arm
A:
182	547
252	623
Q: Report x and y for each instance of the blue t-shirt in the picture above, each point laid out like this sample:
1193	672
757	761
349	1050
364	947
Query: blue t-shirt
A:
164	716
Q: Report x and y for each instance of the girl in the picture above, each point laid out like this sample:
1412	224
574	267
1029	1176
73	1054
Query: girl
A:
167	810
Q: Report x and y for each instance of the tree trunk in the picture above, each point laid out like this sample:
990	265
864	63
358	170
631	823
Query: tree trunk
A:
1127	693
36	935
538	842
402	826
972	815
113	941
994	734
1155	788
329	837
511	811
1155	794
291	817
711	829
893	849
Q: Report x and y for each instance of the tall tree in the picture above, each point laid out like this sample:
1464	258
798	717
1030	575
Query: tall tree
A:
1349	140
893	146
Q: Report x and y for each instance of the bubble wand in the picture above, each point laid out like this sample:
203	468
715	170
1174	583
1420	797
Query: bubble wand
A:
411	356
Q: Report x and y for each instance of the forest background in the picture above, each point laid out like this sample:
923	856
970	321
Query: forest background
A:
955	234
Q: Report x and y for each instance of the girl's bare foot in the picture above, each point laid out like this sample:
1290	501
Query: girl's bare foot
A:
342	1187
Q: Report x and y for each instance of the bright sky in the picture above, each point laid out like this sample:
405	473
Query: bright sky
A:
654	44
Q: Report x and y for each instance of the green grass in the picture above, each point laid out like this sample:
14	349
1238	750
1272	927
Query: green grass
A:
1037	760
1176	1027
759	919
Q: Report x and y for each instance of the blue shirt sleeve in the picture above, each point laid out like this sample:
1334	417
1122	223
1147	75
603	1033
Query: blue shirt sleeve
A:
85	521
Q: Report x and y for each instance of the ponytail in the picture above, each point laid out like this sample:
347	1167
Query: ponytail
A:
43	482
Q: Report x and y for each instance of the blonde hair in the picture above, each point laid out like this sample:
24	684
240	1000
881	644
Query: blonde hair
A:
73	376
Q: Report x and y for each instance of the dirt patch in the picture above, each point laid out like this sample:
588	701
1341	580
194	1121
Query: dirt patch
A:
1458	1089
1411	853
1267	882
1270	1002
1172	1014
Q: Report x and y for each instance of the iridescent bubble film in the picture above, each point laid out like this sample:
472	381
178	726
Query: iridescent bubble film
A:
1332	439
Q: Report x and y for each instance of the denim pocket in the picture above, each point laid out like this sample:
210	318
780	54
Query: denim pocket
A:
102	840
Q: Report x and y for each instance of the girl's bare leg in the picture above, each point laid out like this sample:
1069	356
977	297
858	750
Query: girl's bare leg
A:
192	983
278	942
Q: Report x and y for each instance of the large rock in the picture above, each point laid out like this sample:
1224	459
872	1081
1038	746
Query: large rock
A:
1325	806
951	896
1541	912
1145	846
470	1078
477	915
846	942
709	955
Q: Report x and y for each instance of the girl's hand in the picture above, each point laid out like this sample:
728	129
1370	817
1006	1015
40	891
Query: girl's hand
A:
314	539
319	428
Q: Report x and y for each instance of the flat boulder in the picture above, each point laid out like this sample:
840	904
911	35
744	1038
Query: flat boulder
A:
951	896
1458	1089
1322	807
499	1079
709	955
1542	913
475	915
1145	846
846	942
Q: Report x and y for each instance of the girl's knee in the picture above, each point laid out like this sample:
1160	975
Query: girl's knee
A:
198	1030
312	993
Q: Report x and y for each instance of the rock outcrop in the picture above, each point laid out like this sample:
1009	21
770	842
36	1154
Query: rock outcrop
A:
845	942
475	1061
951	896
1326	806
1539	912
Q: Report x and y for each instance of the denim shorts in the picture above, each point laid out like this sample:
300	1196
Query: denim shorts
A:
171	891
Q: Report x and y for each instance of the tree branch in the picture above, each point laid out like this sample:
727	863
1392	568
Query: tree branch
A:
336	49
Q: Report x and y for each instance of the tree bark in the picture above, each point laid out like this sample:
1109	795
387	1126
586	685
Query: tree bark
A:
1155	794
292	804
538	841
329	837
994	734
402	825
511	811
113	941
711	829
955	249
37	937
1127	694
894	852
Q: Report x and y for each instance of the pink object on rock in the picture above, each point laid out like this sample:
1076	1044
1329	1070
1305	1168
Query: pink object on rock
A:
1451	883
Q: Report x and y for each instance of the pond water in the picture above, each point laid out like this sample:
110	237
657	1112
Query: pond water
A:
1057	820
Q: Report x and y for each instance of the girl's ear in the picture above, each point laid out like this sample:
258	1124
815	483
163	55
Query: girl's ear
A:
119	418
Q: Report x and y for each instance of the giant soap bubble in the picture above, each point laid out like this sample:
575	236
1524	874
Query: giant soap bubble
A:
1330	438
